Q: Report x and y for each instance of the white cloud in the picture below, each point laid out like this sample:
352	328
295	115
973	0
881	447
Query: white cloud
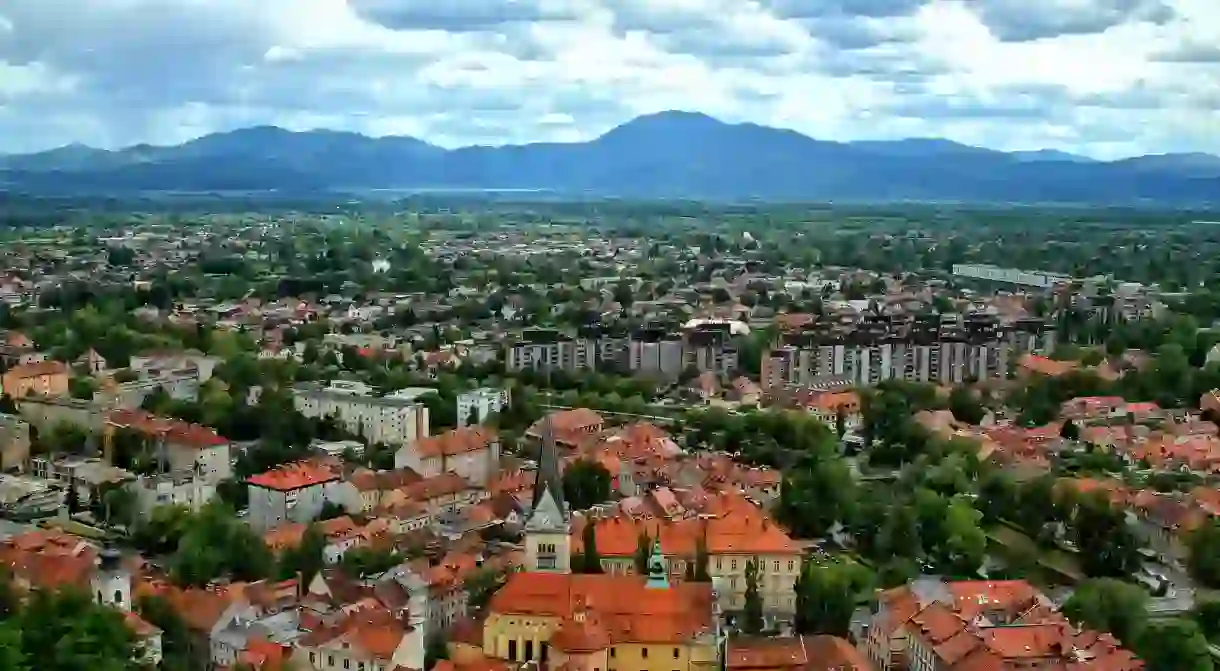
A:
1098	76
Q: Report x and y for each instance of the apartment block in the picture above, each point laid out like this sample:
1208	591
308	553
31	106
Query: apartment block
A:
946	349
386	419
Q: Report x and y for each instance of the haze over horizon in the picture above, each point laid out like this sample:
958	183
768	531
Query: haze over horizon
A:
1101	78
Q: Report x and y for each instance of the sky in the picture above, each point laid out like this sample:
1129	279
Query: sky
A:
1106	78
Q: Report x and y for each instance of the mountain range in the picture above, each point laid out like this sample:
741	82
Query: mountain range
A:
664	155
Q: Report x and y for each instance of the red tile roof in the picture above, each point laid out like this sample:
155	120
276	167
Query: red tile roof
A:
295	476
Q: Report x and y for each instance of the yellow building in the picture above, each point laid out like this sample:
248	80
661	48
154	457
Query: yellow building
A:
595	622
734	533
44	378
603	622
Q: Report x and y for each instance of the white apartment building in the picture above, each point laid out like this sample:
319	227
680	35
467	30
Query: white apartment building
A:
484	401
291	493
379	419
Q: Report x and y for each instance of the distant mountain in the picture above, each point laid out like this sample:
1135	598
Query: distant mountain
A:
665	155
1050	155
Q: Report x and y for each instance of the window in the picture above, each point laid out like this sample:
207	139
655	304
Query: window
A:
118	597
677	653
529	650
790	565
330	660
733	566
776	566
612	651
347	663
644	653
512	650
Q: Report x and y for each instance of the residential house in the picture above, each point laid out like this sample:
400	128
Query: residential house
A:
185	447
44	378
293	492
472	452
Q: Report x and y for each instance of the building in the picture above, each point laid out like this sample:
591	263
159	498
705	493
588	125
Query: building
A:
44	378
547	530
569	428
150	364
179	384
735	534
14	442
1023	278
794	653
933	625
947	349
561	620
182	488
385	419
656	352
548	349
480	404
294	492
183	447
472	452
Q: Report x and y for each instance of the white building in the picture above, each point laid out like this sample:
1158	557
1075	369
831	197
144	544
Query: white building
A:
484	401
389	419
291	493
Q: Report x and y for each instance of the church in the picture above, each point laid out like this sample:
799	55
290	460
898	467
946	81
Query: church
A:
595	622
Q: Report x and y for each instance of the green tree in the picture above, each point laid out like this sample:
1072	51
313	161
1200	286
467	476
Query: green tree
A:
826	597
643	550
1108	548
481	585
752	615
586	484
1204	547
840	421
308	558
589	560
1108	604
1206	614
965	405
815	495
1174	645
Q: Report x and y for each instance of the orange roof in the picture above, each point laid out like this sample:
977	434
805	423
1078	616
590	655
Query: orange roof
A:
37	369
737	530
445	484
1044	366
371	629
582	631
173	430
457	441
296	475
630	611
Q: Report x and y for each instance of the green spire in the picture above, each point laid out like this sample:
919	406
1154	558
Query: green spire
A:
658	575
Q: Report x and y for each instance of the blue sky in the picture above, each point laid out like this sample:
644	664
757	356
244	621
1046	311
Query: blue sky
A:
1107	78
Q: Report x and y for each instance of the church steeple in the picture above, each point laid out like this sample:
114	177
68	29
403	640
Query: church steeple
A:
547	541
658	574
548	480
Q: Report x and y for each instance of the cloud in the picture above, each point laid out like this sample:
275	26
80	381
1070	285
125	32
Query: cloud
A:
1019	20
1104	77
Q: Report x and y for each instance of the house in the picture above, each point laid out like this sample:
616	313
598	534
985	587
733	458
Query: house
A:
827	406
794	653
745	391
44	378
293	492
472	452
367	637
186	447
930	625
570	427
366	490
93	363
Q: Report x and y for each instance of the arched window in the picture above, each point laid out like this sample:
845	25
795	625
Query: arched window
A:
118	597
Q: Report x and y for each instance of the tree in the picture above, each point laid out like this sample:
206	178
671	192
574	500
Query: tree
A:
1206	614
308	557
1108	604
1174	645
481	585
752	616
72	500
68	631
586	484
1107	546
589	561
965	406
1204	547
815	495
840	421
701	573
331	510
826	597
643	550
1069	431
